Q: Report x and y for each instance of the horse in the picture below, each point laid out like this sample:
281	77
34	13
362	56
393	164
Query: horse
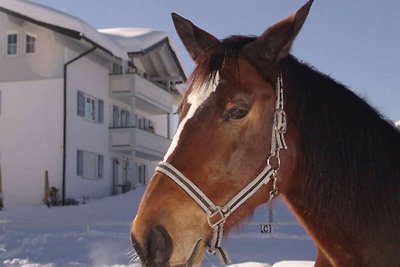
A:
256	122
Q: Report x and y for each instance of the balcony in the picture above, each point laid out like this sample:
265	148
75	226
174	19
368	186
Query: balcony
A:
149	97
146	144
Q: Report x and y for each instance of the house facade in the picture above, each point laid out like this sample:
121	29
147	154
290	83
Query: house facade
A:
92	107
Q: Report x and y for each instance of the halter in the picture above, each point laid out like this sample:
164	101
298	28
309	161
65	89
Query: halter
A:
216	215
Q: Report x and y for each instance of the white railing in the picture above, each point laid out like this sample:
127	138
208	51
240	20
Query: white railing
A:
151	145
152	97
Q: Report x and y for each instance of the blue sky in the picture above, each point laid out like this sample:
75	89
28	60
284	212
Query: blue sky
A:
357	42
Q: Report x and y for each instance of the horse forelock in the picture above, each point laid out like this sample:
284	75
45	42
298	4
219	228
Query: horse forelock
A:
212	61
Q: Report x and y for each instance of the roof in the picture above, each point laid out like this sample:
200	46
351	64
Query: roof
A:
135	39
144	41
61	22
117	42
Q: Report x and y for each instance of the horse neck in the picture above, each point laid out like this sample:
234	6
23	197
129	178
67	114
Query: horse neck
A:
346	176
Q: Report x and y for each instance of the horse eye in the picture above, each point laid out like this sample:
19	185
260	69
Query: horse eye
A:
234	114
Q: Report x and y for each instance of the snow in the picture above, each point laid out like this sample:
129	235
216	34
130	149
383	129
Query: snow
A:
138	39
134	39
51	16
97	234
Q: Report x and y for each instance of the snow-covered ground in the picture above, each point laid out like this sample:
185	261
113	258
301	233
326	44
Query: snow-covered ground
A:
97	234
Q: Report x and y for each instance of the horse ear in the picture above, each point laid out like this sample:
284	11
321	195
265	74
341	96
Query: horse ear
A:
195	39
275	43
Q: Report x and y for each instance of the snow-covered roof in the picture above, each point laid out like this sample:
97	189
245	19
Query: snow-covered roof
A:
135	39
45	15
118	41
139	39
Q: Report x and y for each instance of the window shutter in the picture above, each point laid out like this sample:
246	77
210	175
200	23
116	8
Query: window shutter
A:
79	163
128	119
100	166
144	174
115	116
101	111
81	104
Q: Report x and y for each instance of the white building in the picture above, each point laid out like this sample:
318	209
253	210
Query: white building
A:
94	108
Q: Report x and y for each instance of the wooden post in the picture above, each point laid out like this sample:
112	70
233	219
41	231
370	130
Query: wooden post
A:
1	193
46	196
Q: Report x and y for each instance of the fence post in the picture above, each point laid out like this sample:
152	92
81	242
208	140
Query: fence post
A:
46	196
1	192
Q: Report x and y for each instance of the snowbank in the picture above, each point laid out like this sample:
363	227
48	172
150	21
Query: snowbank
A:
97	234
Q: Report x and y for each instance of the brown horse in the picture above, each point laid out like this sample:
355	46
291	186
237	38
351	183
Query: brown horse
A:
336	166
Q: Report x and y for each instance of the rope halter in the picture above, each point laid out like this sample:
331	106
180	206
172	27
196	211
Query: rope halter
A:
217	215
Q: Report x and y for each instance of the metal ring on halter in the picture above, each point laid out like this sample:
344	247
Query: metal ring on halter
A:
274	158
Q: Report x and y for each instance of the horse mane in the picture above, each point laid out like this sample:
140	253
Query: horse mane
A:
347	151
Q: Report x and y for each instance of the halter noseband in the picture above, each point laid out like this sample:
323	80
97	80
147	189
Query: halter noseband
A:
216	215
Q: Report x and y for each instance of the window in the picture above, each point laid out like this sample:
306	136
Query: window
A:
90	108
12	39
141	173
90	165
144	123
30	42
117	68
121	118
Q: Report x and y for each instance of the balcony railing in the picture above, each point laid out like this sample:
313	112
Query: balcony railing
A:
146	144
148	96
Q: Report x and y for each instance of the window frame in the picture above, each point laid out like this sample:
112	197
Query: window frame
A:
95	113
98	167
8	44
34	36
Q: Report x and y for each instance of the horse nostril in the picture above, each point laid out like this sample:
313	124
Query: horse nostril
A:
159	248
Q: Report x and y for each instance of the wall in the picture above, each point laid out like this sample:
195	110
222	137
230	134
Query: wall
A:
91	77
30	139
44	64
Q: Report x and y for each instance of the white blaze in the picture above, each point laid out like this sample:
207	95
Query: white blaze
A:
196	98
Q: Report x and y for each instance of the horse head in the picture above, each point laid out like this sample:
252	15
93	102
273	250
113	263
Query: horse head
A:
222	143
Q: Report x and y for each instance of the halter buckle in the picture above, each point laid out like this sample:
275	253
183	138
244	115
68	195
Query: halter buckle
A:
216	218
280	122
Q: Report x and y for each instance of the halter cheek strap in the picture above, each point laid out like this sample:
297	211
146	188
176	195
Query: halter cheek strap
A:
217	215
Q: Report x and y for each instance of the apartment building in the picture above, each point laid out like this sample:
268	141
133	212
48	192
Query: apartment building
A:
92	107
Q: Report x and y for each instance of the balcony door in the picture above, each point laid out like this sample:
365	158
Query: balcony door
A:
120	173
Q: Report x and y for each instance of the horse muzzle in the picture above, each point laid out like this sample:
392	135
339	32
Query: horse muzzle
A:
158	247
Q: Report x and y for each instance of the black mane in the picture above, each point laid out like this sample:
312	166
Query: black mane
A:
348	153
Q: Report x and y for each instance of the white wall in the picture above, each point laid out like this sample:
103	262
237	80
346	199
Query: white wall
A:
30	139
90	77
44	64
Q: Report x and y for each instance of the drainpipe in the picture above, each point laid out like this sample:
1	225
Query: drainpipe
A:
64	170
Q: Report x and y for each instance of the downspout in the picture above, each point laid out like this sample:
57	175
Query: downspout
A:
64	170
